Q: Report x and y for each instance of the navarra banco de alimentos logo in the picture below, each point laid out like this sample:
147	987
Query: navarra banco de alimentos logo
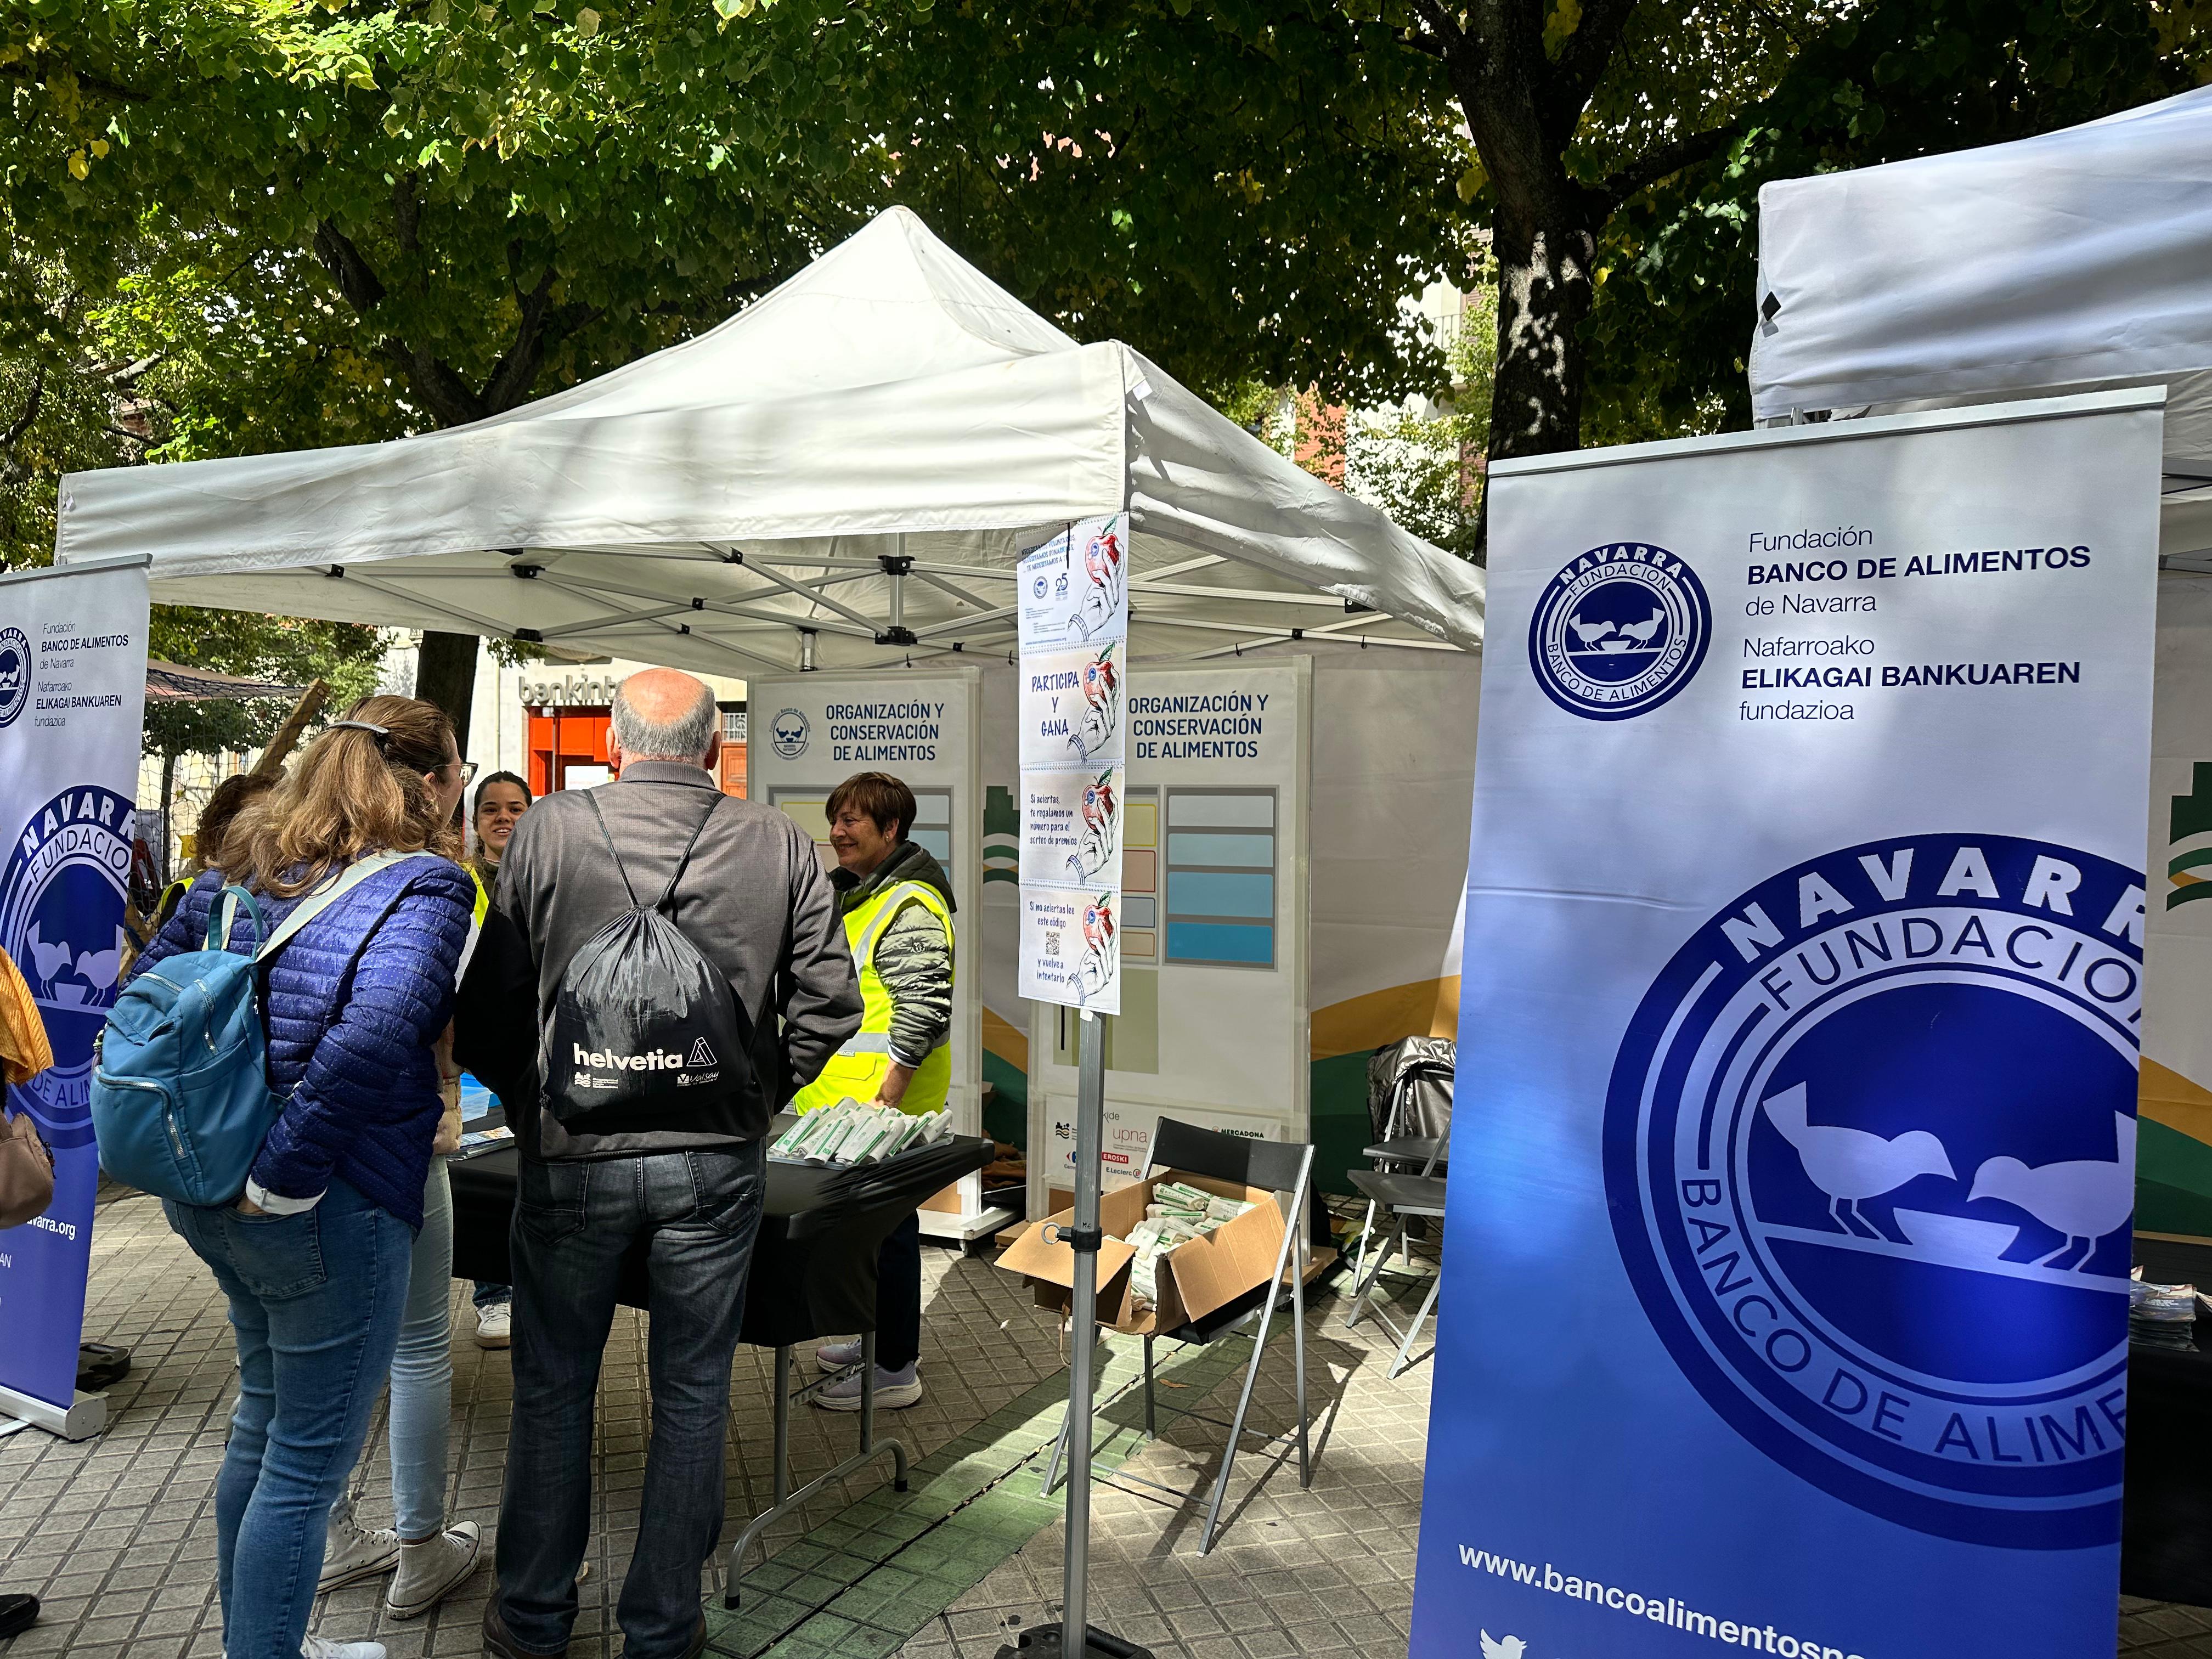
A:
61	920
1869	1156
1619	630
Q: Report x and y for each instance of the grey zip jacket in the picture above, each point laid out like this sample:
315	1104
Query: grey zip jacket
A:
753	900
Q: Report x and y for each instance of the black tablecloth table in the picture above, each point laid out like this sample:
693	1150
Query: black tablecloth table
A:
813	1271
2166	1528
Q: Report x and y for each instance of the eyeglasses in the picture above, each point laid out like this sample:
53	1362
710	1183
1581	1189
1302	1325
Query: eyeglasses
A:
468	770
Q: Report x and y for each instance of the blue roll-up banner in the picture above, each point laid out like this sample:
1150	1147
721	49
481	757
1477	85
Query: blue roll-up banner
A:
1786	1262
72	700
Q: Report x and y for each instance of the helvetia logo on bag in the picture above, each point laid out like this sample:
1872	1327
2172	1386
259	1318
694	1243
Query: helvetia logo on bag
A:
1870	1155
61	920
1619	631
589	1061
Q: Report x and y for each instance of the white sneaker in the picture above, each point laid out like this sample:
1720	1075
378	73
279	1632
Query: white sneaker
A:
836	1356
895	1391
353	1553
432	1570
495	1325
320	1647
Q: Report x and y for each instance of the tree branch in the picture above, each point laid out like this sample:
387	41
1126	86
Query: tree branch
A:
1666	159
1581	62
356	279
31	74
22	424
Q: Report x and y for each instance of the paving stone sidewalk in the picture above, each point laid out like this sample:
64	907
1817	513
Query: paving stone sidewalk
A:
117	1534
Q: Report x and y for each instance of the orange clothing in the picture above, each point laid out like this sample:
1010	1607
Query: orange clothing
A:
24	1050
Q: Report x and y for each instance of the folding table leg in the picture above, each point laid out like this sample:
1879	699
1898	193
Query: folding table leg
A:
1366	1234
867	1391
1058	1451
1237	1428
782	1423
1152	1431
1299	1352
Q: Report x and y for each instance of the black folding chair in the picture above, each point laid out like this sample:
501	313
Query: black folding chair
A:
1279	1168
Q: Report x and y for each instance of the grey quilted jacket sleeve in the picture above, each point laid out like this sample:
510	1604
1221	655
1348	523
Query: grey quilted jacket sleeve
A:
914	960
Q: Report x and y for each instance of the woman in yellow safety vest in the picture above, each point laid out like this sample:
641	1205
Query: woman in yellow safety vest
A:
898	908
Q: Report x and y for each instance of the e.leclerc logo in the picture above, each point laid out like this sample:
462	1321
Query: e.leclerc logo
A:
1870	1155
15	673
788	731
1619	631
61	920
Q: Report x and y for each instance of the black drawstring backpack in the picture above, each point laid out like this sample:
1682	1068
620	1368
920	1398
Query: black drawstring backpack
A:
645	1029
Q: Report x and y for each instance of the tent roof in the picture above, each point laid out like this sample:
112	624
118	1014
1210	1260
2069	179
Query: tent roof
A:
2074	261
844	473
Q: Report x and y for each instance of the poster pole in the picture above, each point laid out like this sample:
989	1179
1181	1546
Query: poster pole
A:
1090	1128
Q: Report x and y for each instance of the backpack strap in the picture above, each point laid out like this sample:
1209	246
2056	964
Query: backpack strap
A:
668	892
329	894
593	797
223	913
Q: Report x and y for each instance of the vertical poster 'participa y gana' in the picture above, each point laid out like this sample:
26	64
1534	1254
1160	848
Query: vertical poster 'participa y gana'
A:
72	698
1074	608
1786	1260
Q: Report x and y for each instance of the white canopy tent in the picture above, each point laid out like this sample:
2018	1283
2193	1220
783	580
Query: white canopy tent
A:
2072	262
842	475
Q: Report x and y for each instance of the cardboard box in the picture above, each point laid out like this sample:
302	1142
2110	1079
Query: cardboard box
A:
1193	1280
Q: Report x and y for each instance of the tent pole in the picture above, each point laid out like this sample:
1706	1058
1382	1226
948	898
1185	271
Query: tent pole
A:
1073	1638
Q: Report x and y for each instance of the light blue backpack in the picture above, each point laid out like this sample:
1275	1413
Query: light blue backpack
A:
180	1096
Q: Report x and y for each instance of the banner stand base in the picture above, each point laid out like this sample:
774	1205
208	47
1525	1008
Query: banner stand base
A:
82	1418
1048	1642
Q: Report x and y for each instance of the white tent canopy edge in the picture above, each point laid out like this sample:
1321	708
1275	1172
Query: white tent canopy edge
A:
842	475
2074	261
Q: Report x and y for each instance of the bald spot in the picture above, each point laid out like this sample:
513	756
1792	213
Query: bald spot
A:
664	696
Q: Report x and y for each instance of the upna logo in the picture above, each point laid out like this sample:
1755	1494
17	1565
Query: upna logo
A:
1870	1152
1619	631
787	733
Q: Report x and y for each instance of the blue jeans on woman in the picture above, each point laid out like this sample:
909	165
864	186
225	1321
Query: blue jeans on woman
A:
422	1373
315	1300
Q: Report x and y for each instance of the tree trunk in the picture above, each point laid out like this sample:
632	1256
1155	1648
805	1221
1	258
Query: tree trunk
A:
1544	293
445	674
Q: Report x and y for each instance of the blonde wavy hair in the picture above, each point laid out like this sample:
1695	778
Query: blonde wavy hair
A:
353	791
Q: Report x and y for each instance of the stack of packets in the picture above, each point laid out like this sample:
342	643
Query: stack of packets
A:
849	1132
2161	1316
1178	1214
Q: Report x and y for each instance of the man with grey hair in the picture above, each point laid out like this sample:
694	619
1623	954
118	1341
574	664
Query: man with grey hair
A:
741	882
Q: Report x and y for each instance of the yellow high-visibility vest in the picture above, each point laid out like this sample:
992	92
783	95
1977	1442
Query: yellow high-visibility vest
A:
858	1068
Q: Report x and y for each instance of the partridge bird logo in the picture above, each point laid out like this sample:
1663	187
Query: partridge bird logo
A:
2083	1198
1502	1647
1851	1164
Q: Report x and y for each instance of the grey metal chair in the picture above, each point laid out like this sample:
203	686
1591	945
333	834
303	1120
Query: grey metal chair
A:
1279	1168
1406	1196
1415	1144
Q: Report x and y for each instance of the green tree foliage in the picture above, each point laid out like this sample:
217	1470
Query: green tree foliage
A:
281	650
1896	79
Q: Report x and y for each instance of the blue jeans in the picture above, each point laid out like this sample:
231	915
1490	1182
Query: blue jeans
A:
315	1299
422	1373
697	1213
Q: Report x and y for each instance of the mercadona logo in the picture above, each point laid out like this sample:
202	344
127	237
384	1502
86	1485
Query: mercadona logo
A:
1870	1155
1619	631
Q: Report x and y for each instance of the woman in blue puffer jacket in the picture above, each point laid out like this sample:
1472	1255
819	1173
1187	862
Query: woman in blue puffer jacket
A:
314	1257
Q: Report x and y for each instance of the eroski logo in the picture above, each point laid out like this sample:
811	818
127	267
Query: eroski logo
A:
1869	1152
1619	631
